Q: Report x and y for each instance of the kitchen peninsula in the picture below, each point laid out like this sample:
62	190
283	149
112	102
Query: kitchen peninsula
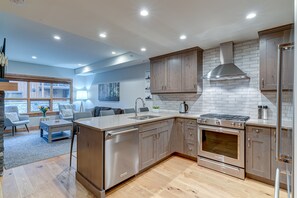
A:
101	163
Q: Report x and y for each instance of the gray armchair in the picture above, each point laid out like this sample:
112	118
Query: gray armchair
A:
66	111
14	119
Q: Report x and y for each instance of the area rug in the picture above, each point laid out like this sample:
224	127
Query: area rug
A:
25	148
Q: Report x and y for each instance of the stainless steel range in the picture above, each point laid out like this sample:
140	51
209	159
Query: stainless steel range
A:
221	140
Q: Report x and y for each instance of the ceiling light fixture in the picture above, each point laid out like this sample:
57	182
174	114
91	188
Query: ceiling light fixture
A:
79	64
113	53
143	49
102	35
34	57
183	37
144	12
57	37
251	15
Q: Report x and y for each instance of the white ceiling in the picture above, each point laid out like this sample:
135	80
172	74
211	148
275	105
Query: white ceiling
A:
205	22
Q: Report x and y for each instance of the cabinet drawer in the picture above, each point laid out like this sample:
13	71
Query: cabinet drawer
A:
154	125
191	133
191	122
190	149
256	131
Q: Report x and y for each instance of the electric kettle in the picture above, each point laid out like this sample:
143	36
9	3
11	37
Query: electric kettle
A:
183	107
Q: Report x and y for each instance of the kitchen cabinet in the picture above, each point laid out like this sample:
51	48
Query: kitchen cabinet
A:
269	41
257	151
177	72
158	75
286	148
154	142
185	137
260	152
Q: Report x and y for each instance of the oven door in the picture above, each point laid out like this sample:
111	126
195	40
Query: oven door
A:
221	144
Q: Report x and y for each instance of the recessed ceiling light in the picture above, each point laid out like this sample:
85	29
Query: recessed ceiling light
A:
34	57
144	12
102	35
113	53
182	37
143	49
57	37
251	15
79	64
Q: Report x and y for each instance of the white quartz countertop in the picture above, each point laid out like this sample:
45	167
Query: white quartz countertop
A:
268	123
124	120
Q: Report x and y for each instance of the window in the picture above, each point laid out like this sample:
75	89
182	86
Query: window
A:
38	91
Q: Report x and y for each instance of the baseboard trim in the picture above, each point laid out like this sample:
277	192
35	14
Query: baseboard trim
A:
88	185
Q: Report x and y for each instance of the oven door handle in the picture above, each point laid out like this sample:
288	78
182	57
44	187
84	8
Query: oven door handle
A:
219	129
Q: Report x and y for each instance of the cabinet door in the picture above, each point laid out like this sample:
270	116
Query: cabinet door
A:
163	144
148	148
189	72
174	74
268	60
257	151
286	148
158	76
178	144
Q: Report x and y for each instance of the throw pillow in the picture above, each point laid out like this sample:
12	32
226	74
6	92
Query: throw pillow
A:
67	112
12	116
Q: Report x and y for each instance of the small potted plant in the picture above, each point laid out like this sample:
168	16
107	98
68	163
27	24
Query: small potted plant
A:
43	109
156	109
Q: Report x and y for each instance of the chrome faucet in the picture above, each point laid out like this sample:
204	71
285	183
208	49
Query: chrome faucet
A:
143	104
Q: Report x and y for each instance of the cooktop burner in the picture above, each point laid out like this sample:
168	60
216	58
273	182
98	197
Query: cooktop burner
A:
225	117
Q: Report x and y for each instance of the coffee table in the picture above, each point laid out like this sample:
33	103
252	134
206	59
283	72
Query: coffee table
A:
55	129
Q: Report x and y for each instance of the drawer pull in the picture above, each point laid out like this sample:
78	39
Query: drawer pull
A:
257	130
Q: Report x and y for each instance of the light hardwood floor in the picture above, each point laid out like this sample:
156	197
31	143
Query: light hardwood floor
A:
174	177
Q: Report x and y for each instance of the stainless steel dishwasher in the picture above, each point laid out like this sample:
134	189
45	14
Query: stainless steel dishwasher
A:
121	155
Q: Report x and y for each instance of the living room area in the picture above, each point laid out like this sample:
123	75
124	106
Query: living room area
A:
58	99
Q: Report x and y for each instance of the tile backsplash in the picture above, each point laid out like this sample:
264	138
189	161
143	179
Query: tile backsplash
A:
230	96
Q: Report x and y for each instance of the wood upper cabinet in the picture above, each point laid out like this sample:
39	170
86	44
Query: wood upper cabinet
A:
158	75
286	148
269	41
257	151
174	74
181	72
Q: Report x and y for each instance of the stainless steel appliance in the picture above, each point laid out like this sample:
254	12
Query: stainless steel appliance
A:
221	143
121	155
284	148
183	107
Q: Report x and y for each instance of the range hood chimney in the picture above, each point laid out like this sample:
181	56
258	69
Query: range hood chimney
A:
226	70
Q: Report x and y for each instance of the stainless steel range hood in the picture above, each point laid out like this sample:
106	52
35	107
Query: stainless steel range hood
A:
226	70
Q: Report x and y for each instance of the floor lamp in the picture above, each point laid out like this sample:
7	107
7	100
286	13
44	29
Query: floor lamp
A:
81	95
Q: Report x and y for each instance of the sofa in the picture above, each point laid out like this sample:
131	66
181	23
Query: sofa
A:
96	110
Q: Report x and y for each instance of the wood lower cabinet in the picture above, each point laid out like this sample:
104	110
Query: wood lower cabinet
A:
257	151
177	72
154	142
286	148
147	148
269	41
185	137
261	154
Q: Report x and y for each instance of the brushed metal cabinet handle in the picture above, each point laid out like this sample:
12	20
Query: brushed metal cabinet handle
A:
257	130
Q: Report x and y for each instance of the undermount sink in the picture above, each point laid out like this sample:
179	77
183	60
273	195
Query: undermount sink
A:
144	117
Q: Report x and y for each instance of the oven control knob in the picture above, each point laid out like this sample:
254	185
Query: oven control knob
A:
218	122
232	124
204	121
240	124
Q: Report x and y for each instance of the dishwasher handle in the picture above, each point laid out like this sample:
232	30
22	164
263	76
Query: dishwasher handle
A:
110	134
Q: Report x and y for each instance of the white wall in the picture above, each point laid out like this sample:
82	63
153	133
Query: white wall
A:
132	85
